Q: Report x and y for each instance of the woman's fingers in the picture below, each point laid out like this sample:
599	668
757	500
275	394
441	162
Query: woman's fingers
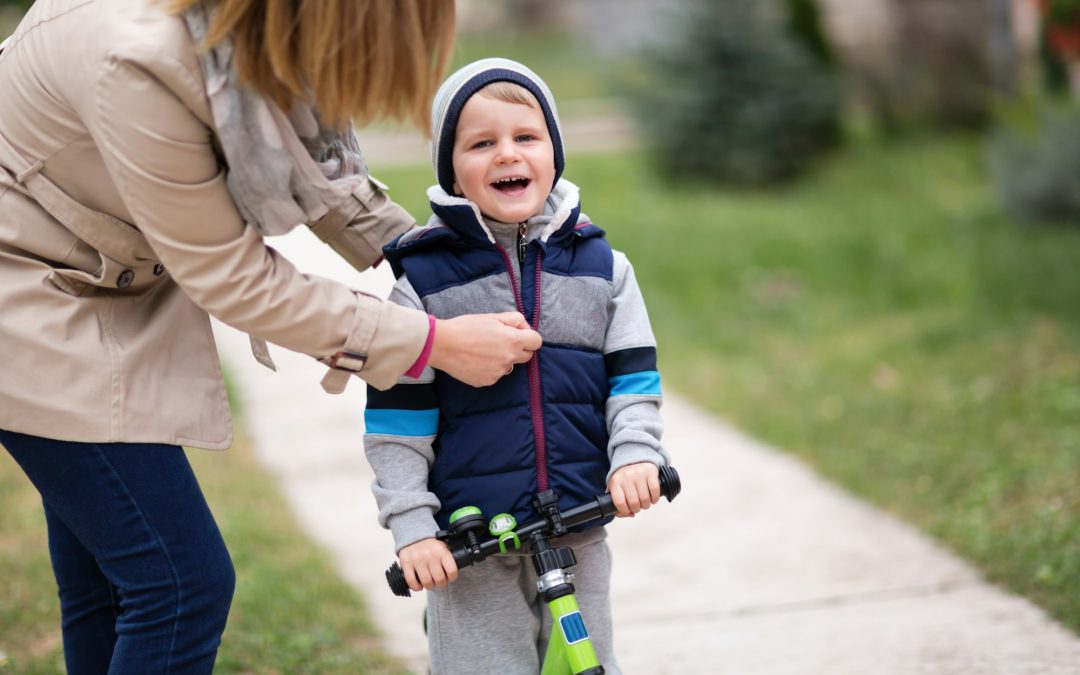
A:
513	319
479	349
527	340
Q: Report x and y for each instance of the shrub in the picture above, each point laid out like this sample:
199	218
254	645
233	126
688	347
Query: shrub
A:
804	24
735	98
1035	157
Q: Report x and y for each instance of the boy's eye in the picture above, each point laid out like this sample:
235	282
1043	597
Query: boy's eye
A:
524	138
481	144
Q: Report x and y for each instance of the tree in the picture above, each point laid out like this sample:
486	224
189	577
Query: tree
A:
804	24
736	98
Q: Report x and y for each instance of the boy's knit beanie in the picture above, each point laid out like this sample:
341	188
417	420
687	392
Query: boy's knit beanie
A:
456	91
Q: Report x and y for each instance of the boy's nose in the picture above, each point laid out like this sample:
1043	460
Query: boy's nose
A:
506	152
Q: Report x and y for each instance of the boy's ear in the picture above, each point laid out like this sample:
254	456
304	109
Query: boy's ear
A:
457	190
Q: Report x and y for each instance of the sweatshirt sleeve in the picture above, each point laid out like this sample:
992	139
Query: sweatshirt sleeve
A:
160	156
400	425
634	397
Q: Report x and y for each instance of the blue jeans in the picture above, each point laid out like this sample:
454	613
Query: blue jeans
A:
144	578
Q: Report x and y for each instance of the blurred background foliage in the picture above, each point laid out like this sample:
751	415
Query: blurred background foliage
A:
754	94
857	224
720	104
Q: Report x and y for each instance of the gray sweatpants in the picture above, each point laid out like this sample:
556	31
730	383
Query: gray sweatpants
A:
493	620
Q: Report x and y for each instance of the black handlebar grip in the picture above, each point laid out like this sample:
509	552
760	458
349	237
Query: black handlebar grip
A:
396	578
463	555
670	483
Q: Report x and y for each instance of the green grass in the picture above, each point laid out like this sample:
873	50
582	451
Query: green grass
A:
291	612
29	613
883	321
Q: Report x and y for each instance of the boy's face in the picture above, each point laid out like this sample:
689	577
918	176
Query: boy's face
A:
503	158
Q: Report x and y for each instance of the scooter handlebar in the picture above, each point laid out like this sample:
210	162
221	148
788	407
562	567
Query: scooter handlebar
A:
601	507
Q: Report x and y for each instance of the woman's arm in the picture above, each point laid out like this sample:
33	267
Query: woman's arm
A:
358	231
160	156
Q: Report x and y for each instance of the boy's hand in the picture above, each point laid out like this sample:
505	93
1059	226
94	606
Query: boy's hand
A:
427	564
634	487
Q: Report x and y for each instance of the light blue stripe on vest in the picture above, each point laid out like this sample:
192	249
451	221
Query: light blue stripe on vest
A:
647	382
401	422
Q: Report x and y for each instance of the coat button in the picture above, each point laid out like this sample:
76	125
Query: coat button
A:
125	279
159	269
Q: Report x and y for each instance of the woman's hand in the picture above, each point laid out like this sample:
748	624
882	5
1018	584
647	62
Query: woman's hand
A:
634	487
478	349
427	564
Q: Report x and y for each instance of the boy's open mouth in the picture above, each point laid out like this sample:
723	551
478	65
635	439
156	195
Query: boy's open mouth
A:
511	185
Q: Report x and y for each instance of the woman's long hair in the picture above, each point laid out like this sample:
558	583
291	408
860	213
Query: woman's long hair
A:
354	59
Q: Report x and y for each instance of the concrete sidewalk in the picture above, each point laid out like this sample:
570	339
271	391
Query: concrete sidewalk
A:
759	567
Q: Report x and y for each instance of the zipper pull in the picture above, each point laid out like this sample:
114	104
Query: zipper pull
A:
523	229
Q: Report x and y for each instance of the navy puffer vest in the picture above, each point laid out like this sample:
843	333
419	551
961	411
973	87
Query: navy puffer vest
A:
543	425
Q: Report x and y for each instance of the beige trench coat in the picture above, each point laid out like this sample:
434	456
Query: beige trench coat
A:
118	236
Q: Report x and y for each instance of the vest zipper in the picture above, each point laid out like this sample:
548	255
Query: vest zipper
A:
523	245
533	366
536	402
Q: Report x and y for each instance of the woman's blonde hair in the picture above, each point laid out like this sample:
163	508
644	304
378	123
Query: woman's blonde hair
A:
355	59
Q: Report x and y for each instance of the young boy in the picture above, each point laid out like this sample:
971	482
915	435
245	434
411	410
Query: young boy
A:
583	415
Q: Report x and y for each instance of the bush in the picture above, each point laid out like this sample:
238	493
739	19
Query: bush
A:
804	24
734	98
1035	157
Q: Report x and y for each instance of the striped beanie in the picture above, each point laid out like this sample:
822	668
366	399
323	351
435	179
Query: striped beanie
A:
456	91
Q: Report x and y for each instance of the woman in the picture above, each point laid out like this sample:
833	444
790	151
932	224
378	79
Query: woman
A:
120	230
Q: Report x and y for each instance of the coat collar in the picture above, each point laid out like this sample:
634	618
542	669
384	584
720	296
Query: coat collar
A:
562	213
457	222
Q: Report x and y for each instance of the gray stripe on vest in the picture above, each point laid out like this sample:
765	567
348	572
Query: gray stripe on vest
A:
490	294
582	315
582	303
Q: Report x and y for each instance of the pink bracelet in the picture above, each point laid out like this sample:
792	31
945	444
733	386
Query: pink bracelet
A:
425	354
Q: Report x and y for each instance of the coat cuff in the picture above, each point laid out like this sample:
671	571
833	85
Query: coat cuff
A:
633	453
412	526
421	362
385	340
